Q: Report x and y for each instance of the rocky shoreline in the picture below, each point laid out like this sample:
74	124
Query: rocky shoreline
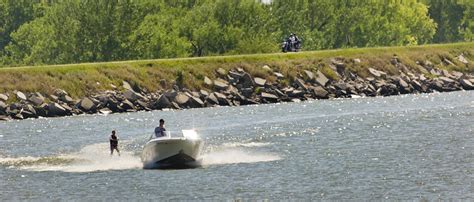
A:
237	87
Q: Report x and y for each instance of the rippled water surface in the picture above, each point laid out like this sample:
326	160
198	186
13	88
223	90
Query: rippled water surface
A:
401	147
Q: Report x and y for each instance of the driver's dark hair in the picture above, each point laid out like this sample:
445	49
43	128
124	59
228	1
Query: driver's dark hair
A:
161	120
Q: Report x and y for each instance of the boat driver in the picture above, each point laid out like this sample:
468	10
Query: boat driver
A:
160	130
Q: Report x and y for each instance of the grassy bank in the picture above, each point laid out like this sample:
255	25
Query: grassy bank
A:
83	79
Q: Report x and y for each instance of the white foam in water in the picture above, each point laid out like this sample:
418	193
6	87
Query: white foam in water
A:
249	144
91	158
96	157
232	155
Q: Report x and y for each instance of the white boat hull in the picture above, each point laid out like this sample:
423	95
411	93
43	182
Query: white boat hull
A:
176	152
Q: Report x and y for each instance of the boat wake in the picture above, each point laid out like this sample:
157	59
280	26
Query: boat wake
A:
234	153
96	157
89	159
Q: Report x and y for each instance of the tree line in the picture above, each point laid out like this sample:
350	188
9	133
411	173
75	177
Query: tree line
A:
36	32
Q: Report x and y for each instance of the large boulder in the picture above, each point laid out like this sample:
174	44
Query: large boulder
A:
300	83
162	102
127	105
269	97
222	99
55	109
212	99
21	96
132	95
29	112
466	84
41	110
247	81
309	75
36	98
181	99
87	105
320	92
195	102
321	79
66	99
170	94
220	84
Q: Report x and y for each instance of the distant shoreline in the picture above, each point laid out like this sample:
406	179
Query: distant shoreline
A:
115	87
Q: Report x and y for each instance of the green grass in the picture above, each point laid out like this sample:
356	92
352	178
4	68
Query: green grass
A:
87	78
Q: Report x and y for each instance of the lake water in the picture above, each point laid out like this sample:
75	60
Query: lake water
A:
401	147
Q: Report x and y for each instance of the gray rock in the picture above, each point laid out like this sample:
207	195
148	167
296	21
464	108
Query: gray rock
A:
54	109
278	75
457	75
377	73
462	59
126	85
267	68
87	105
203	93
127	105
220	84
222	99
37	99
309	75
300	83
54	98
235	75
446	80
418	86
247	81
448	62
142	105
356	60
321	79
3	106
296	93
105	111
3	97
195	102
212	99
466	84
4	118
320	92
181	99
66	99
269	97
207	81
171	94
41	110
260	82
60	92
132	95
163	102
21	96
222	72
247	92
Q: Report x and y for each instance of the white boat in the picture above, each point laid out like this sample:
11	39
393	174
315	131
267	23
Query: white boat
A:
172	152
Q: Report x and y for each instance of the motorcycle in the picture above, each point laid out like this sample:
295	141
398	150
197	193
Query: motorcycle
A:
290	46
